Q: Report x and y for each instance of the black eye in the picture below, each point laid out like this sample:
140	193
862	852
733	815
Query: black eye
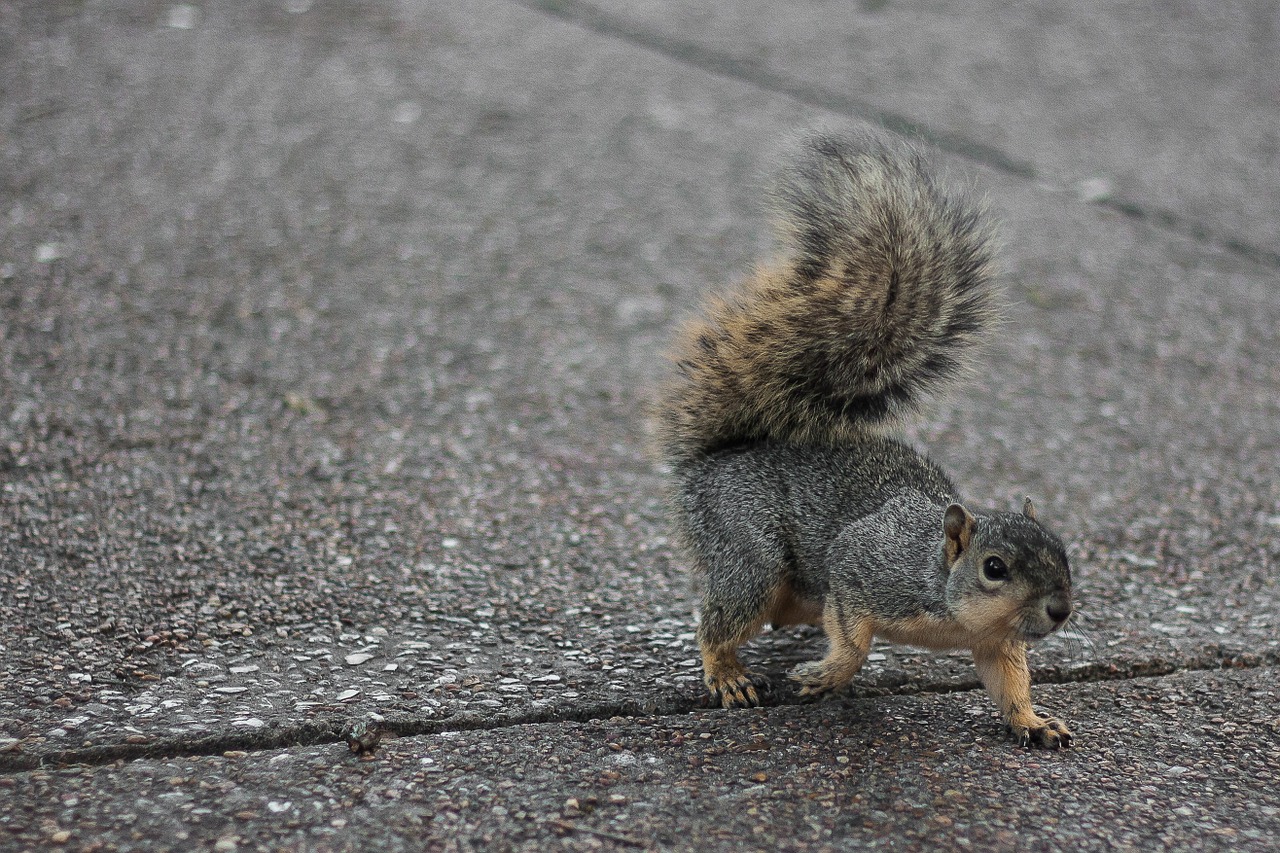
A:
994	569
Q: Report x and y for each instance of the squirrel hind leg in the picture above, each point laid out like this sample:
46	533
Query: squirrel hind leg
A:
729	683
727	622
743	590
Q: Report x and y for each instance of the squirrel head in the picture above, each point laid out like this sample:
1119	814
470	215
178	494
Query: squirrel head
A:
1007	575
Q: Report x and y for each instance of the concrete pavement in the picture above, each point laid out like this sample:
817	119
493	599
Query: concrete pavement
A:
326	329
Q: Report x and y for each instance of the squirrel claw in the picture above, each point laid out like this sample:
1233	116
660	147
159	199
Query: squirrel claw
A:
1051	734
738	691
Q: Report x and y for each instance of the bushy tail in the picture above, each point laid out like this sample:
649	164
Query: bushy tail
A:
882	293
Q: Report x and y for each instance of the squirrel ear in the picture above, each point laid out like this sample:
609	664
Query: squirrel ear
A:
957	524
1028	508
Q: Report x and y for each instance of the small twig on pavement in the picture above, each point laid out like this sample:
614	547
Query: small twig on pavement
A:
602	833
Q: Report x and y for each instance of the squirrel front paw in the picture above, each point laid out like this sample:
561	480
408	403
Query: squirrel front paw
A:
1048	733
815	678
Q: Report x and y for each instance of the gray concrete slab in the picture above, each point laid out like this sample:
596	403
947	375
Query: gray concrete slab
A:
1167	113
1187	762
325	339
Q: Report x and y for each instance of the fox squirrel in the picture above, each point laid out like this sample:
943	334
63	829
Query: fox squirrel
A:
793	503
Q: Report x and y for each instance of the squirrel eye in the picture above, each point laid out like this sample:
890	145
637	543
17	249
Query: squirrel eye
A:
994	569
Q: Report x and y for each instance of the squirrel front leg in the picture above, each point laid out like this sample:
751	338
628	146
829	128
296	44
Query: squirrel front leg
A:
1003	670
850	638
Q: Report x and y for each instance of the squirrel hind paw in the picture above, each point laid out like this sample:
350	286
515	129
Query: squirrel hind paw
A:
1049	734
737	690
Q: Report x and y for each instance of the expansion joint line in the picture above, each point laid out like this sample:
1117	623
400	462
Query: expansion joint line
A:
749	71
333	731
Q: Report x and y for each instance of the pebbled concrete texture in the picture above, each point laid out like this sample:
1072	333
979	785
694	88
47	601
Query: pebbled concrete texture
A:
899	773
1164	113
326	331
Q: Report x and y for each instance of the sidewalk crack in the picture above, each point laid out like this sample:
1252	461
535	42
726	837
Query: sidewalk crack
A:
746	70
332	731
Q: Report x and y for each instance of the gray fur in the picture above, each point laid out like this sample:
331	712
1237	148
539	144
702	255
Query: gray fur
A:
863	523
792	503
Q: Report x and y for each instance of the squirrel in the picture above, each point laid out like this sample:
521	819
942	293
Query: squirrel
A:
791	496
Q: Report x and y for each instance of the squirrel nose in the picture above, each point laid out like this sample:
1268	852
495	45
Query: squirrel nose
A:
1059	609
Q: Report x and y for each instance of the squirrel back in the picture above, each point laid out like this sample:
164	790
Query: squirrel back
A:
880	296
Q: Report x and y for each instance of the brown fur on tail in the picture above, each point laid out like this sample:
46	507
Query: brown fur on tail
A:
882	292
